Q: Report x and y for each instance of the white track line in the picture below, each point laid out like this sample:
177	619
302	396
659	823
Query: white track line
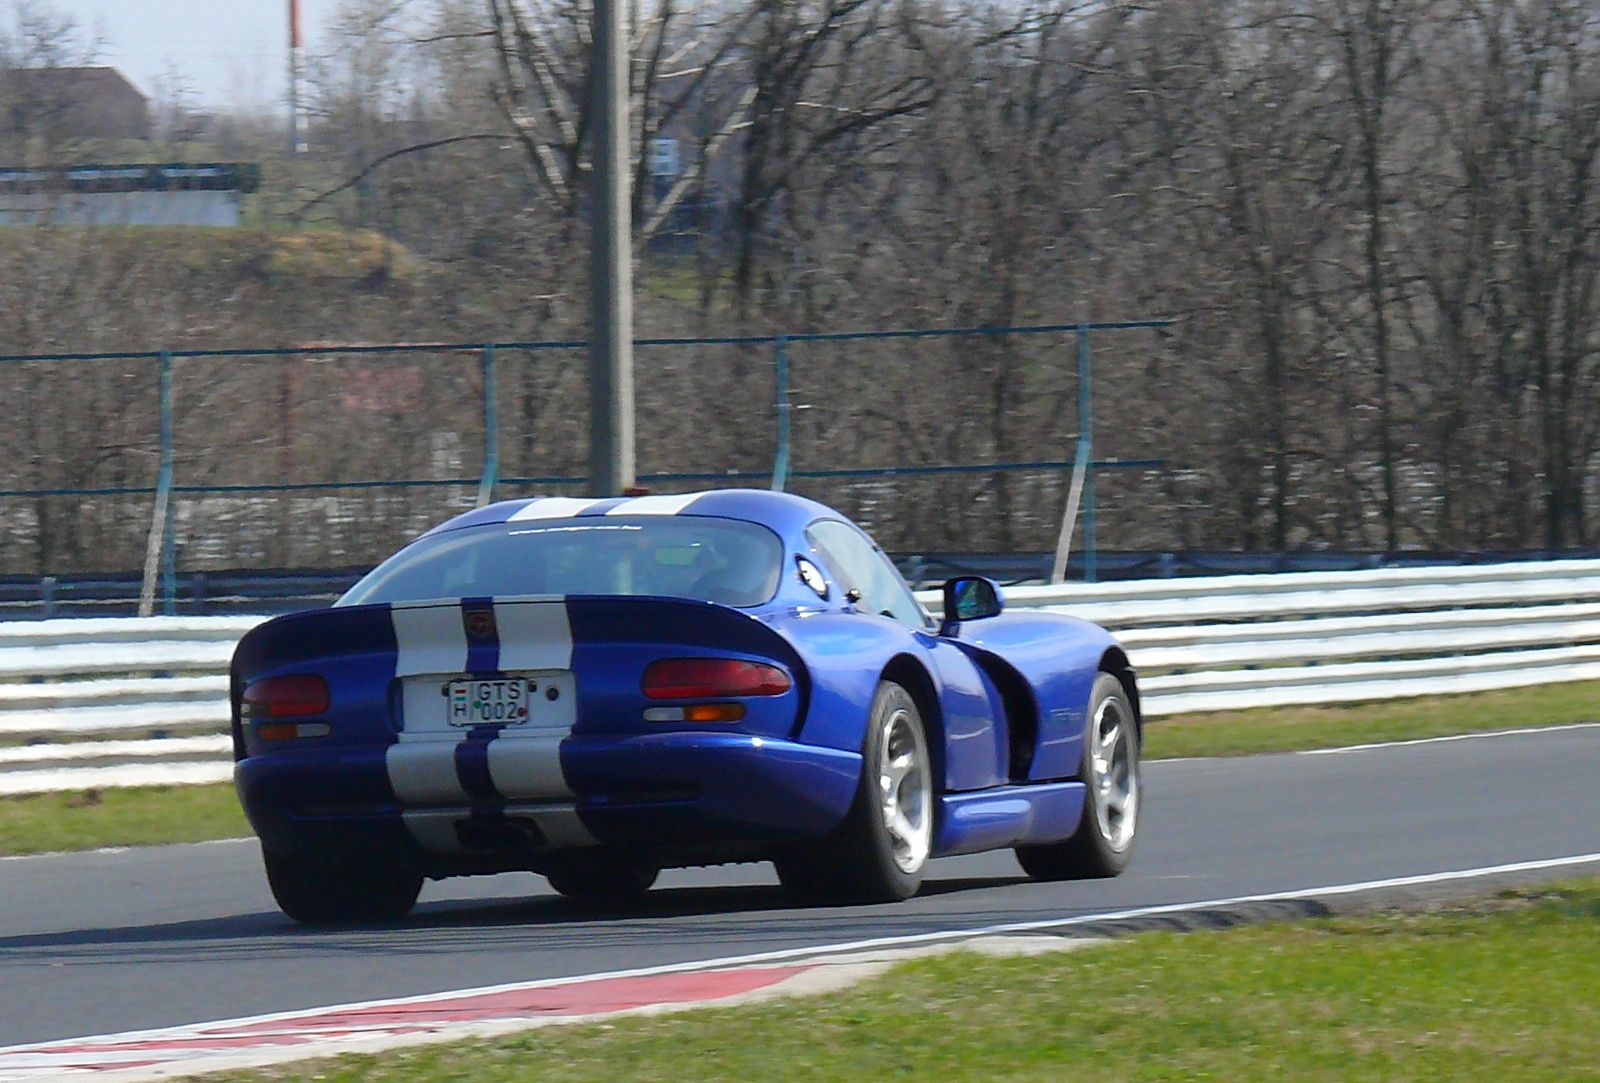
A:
1452	737
855	946
875	943
99	850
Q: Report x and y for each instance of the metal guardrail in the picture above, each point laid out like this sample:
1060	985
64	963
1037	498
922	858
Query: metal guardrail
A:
260	591
111	701
123	702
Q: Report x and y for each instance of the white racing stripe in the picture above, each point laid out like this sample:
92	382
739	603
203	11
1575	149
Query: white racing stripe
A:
524	768
423	772
561	827
553	507
534	634
535	638
429	638
666	504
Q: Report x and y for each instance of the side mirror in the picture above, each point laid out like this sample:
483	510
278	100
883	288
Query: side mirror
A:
970	597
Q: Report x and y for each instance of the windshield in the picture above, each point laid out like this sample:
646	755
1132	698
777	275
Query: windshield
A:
714	560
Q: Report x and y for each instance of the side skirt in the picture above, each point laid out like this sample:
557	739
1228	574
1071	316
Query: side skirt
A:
1007	816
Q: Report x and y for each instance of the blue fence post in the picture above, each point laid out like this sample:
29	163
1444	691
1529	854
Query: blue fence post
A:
47	596
169	548
491	432
1086	447
780	461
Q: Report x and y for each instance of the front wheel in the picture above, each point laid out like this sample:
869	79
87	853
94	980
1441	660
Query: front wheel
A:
321	891
1103	843
880	851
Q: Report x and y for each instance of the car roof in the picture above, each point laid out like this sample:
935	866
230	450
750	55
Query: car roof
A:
784	513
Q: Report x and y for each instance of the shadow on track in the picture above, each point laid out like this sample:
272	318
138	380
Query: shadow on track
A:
760	918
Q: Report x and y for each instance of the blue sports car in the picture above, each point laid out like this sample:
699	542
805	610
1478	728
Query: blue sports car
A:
595	690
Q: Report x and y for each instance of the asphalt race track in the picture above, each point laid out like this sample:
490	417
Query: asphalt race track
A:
114	941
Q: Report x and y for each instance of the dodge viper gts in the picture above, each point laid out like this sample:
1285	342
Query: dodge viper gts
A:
595	690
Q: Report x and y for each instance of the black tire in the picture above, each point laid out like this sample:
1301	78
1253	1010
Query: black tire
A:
880	852
325	891
1103	843
601	876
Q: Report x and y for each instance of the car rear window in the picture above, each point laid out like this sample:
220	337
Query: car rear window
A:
715	560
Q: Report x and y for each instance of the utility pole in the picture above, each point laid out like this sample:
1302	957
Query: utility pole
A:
297	77
611	460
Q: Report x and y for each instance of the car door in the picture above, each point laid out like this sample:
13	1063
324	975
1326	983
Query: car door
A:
975	746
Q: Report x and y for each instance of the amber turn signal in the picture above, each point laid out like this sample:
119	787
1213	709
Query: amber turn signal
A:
696	712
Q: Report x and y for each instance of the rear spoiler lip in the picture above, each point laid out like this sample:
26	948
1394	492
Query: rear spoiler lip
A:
739	629
760	613
419	603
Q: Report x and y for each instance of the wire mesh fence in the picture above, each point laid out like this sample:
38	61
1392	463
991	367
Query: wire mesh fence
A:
332	454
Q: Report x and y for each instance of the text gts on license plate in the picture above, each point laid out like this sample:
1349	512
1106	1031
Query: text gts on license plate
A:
497	701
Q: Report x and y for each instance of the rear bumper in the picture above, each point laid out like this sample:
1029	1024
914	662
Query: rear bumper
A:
682	796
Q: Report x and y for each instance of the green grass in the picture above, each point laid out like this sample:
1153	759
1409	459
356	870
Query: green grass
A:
43	823
1293	729
134	817
1502	988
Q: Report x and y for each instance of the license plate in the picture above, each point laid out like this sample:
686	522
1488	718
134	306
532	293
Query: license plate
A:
499	701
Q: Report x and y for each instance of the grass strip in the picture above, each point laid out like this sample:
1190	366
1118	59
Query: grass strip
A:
134	817
1296	729
143	816
1500	988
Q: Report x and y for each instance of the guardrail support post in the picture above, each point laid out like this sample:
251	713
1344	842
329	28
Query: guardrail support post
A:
161	552
169	541
1080	492
491	432
780	461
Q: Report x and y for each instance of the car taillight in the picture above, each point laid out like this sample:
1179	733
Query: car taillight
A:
703	678
296	696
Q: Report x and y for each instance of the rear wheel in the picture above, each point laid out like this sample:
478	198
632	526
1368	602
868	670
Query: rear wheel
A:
1104	840
880	851
601	876
322	891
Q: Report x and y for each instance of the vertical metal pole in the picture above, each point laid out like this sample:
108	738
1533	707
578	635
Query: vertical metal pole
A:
1069	518
780	462
297	75
169	549
491	432
158	550
1086	450
611	437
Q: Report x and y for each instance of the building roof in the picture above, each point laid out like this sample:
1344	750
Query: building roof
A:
75	82
84	103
